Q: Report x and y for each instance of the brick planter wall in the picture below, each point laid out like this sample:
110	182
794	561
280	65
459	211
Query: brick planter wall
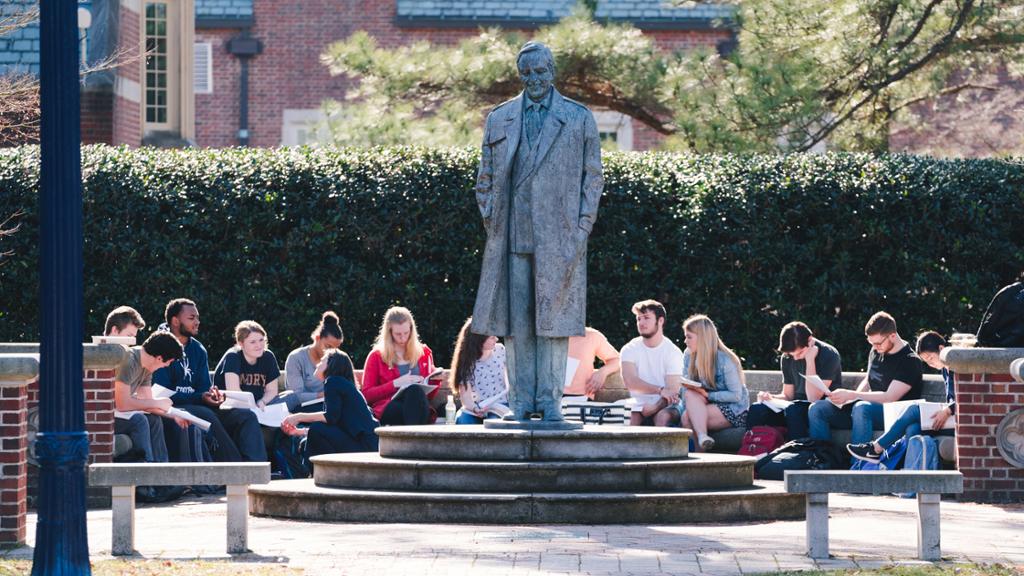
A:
983	402
98	388
13	456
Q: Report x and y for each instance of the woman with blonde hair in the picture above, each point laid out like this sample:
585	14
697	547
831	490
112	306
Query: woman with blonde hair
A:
721	401
397	363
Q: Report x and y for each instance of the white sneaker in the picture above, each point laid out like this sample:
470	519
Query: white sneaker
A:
706	442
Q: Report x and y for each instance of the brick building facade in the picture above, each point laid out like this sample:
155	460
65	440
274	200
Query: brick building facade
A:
248	72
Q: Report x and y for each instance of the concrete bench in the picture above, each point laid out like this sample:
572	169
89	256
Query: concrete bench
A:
928	484
123	478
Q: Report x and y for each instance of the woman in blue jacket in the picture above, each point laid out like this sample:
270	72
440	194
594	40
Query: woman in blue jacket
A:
346	424
718	398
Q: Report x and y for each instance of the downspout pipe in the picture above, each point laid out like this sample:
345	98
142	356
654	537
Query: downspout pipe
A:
244	47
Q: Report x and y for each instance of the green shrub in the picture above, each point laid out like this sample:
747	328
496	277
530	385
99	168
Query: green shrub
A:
278	236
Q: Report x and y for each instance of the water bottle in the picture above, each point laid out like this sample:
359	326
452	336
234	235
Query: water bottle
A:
449	410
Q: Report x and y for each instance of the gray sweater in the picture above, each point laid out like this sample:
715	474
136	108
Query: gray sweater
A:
299	373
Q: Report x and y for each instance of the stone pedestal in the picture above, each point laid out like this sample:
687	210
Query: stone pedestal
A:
473	474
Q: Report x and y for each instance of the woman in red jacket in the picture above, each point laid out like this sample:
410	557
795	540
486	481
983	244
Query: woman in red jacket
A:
393	376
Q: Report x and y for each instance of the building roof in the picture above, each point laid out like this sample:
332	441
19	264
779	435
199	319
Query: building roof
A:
643	13
224	8
19	49
662	14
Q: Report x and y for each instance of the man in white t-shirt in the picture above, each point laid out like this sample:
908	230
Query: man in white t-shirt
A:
652	369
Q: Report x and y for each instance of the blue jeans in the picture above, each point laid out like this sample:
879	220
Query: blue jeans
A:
909	424
862	419
463	417
147	434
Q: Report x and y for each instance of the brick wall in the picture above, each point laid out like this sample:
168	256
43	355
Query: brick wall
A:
98	388
983	401
127	114
97	111
289	74
13	457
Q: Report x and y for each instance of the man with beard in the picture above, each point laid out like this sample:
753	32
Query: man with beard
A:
236	433
652	369
894	373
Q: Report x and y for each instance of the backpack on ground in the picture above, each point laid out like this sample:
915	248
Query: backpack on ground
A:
1002	326
892	458
801	454
290	456
761	440
922	454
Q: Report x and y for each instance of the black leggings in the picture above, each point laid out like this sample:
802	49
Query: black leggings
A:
410	407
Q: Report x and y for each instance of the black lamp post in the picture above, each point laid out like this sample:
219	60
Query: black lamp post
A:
62	447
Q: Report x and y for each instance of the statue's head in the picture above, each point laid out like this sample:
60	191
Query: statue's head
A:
536	69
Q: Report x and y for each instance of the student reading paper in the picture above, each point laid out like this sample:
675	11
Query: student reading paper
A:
914	421
479	377
810	368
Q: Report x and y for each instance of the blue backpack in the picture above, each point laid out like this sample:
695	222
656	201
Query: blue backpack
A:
922	454
891	458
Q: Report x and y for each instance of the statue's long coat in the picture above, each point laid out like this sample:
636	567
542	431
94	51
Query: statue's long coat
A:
566	188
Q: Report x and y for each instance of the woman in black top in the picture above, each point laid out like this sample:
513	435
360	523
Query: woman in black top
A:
346	424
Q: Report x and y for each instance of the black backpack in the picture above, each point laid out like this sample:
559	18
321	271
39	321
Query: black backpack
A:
800	454
289	456
1002	326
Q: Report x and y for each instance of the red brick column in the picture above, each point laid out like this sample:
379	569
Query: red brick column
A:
98	387
13	452
16	371
989	454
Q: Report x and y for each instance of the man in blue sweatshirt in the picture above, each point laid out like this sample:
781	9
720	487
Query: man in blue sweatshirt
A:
236	433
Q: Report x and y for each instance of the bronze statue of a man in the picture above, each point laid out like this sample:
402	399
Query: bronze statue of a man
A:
538	189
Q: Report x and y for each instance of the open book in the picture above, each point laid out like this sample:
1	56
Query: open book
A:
817	382
893	410
493	405
776	404
271	415
424	383
690	383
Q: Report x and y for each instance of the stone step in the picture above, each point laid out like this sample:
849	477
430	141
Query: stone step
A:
304	500
481	444
373	472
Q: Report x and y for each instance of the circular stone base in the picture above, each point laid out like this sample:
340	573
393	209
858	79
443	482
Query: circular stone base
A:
532	425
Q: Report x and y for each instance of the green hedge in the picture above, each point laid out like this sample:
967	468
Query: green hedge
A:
280	235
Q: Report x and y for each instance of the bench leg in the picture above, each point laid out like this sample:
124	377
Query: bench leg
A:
238	519
122	508
817	526
928	527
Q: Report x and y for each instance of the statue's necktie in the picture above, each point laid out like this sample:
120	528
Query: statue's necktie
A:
533	124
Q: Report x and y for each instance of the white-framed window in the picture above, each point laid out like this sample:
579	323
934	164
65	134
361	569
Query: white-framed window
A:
202	69
161	66
301	127
615	129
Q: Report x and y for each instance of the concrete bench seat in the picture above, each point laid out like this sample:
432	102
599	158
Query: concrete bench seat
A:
123	478
928	484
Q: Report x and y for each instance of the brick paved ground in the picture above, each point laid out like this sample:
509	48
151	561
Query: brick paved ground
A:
866	532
